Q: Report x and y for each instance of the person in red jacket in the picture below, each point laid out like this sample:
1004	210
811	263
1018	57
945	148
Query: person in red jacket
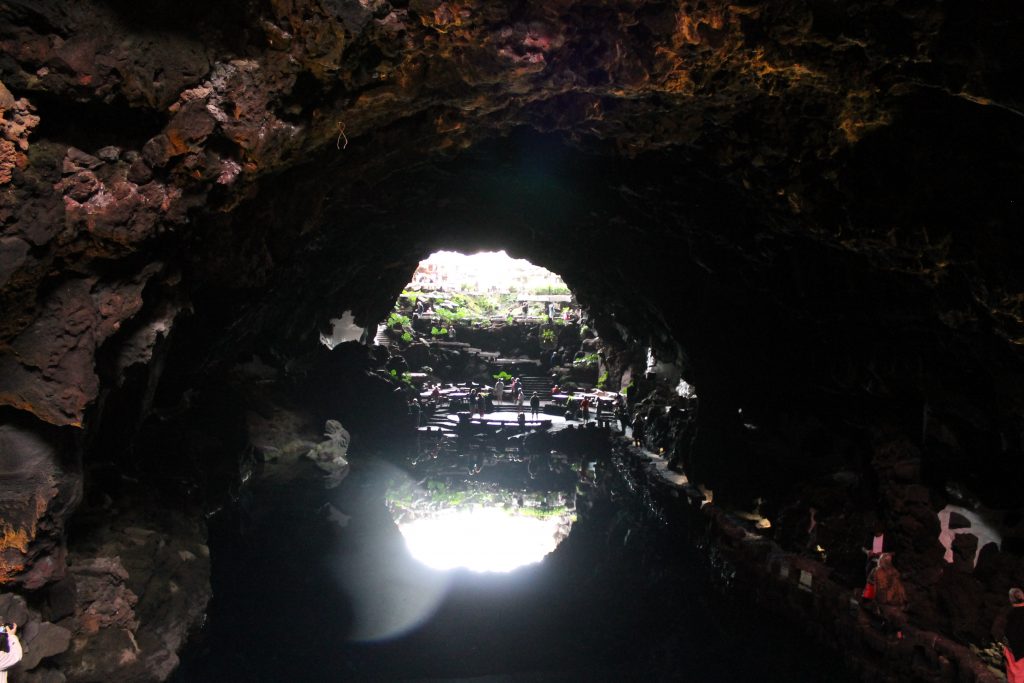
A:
1013	637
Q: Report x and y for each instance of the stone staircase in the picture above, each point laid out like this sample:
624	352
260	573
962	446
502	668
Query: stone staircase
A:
381	338
542	385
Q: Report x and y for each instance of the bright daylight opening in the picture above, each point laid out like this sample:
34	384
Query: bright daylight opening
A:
455	287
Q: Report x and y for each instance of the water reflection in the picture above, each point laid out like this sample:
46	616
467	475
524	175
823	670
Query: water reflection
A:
482	540
484	509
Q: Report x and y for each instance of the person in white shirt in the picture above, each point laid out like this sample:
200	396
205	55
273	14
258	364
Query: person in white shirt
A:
10	649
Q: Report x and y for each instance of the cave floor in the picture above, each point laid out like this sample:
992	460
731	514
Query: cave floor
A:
315	584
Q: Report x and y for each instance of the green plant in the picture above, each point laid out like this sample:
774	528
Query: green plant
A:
602	381
543	512
551	289
548	337
446	315
406	337
404	378
503	376
398	320
438	332
588	360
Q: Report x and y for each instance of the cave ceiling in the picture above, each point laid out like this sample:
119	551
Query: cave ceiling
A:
828	192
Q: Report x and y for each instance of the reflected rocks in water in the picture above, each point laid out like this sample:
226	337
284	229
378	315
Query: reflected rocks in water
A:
486	508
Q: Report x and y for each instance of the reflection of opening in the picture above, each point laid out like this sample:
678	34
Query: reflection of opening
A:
482	539
494	521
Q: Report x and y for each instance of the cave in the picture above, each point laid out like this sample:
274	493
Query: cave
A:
802	211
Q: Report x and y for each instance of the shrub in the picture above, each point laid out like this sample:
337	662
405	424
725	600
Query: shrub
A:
503	376
586	361
406	337
404	378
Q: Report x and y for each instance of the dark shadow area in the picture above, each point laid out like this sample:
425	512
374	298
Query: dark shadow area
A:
615	602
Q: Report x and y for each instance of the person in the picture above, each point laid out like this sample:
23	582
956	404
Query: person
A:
812	531
1012	636
481	404
535	405
585	407
638	430
519	399
876	546
522	422
890	596
499	391
622	417
10	649
415	408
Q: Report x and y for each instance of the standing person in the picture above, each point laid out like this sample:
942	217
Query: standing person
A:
499	391
519	399
875	548
621	416
1012	636
10	649
415	409
638	430
585	406
535	405
890	596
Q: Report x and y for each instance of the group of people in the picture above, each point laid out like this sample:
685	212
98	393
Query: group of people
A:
515	389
